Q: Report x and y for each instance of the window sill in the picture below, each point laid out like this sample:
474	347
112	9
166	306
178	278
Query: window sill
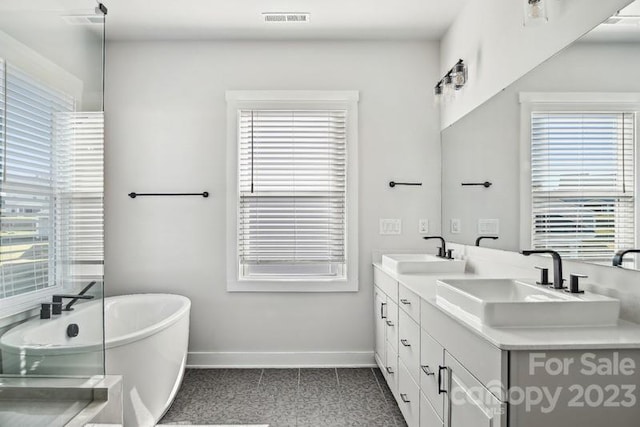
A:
293	286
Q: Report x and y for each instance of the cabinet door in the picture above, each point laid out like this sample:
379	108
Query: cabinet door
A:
428	416
392	323
408	396
470	404
409	347
431	358
380	315
391	370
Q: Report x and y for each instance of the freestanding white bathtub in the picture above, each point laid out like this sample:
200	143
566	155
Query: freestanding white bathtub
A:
146	337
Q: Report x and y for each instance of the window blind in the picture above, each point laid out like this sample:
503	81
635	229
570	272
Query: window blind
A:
80	187
27	229
292	191
582	183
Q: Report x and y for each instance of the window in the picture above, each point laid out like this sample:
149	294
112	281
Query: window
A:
293	194
50	158
582	182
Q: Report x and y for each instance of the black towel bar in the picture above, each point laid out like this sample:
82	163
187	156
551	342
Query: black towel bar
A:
133	195
485	184
393	183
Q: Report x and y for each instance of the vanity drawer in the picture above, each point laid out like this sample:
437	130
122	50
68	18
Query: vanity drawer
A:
470	403
485	361
428	416
387	283
408	396
391	324
431	358
409	301
409	345
390	371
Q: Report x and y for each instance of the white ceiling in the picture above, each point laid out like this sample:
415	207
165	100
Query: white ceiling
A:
623	27
242	19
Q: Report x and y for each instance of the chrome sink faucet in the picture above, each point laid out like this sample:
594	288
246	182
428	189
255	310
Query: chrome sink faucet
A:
557	265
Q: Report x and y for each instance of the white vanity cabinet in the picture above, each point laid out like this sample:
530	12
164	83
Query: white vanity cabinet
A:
386	327
445	373
416	349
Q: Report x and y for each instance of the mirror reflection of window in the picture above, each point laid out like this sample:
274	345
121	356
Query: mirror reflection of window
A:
583	182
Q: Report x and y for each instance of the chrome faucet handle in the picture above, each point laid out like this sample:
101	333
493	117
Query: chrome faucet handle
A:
574	283
544	276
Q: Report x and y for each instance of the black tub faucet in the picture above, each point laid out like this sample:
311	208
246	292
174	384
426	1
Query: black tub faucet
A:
442	250
485	237
57	299
617	259
557	265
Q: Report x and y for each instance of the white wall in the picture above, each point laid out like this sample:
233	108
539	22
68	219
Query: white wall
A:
489	35
165	129
485	144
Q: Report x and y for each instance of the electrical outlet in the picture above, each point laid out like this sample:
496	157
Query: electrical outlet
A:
456	226
390	226
423	226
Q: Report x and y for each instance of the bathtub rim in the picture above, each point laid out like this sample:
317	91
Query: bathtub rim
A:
30	350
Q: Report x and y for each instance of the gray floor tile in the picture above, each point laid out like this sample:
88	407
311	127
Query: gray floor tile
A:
285	397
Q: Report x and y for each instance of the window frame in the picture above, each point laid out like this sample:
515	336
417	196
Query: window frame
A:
50	74
292	99
531	102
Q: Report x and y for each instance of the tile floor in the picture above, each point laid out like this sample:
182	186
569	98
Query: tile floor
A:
285	397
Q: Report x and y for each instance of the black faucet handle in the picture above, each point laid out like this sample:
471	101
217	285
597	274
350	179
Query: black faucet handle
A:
574	283
56	307
449	253
45	310
544	276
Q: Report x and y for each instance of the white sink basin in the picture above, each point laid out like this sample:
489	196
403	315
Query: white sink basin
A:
421	263
508	302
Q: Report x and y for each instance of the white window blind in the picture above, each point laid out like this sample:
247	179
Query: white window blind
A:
27	180
582	183
292	193
80	189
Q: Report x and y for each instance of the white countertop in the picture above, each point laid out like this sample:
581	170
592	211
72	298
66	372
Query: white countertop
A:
624	335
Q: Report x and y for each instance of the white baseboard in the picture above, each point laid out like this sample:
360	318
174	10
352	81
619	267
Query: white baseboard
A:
316	359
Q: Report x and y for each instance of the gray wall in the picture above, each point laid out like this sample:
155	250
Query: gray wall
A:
166	119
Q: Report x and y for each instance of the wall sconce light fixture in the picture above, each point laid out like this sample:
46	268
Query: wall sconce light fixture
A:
454	80
535	12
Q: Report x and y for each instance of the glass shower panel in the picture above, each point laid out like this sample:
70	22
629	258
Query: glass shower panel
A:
51	189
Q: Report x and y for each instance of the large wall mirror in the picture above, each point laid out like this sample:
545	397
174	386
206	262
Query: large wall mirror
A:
560	149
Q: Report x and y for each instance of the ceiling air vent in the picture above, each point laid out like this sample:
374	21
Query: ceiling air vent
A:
285	17
83	19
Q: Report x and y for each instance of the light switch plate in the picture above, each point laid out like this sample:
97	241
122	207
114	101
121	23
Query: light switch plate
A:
456	226
489	227
390	226
423	226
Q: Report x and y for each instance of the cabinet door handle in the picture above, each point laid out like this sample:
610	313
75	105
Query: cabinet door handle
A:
404	398
427	371
389	323
405	301
405	343
389	370
440	388
382	315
